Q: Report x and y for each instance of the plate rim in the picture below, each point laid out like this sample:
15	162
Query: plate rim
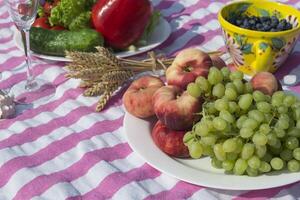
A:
165	23
161	161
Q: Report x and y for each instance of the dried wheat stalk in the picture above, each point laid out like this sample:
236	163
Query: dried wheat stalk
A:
102	73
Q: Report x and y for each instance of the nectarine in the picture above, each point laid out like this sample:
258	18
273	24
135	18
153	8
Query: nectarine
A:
187	66
176	108
265	82
138	97
169	141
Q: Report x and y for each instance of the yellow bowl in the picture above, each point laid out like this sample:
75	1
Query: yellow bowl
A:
255	51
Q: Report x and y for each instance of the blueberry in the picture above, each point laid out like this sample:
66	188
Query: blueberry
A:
251	21
273	30
259	26
238	22
280	26
246	23
274	20
264	19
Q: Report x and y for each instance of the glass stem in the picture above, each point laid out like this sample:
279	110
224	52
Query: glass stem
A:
30	82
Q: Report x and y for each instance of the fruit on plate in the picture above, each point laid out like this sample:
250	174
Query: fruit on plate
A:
138	97
176	108
41	22
218	61
121	22
187	66
243	130
169	141
266	82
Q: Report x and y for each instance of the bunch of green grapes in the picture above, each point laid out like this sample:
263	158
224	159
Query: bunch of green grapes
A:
244	131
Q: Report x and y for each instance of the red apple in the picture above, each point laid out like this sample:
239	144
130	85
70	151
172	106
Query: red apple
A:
217	61
169	141
138	97
265	82
176	108
187	66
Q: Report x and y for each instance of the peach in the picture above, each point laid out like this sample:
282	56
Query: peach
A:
187	66
176	108
138	97
265	82
218	61
169	141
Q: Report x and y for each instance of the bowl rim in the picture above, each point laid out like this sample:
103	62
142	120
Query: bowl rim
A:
227	25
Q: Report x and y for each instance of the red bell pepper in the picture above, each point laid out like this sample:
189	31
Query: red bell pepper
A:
121	22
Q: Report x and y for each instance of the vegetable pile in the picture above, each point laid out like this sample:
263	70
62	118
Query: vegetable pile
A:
118	23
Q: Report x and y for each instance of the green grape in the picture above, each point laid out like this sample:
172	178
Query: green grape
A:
230	85
250	123
293	166
224	114
268	98
298	124
195	149
209	140
272	139
280	133
230	94
291	143
246	132
233	107
296	113
264	128
264	167
258	96
240	166
240	121
282	109
294	132
247	151
268	118
225	72
296	153
228	165
248	87
219	152
261	151
216	163
208	123
239	145
203	84
214	76
259	139
282	123
289	100
201	129
210	108
252	172
229	145
277	98
277	163
277	145
286	154
221	104
232	155
194	90
267	157
239	86
188	136
219	123
245	101
254	162
218	90
264	107
236	75
207	149
257	115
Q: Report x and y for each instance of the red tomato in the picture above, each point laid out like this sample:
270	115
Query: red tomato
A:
59	28
48	7
41	22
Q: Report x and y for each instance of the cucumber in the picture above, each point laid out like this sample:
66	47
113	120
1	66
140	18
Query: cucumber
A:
56	42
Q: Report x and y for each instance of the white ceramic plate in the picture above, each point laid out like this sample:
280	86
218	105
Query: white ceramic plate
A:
160	34
200	171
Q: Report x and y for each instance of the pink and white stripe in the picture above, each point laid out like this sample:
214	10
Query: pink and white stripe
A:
62	149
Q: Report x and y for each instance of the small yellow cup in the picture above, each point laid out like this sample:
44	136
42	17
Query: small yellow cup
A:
255	51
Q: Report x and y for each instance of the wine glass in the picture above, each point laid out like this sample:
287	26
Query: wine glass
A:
23	13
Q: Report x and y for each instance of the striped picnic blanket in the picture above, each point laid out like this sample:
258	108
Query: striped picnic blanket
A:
62	149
